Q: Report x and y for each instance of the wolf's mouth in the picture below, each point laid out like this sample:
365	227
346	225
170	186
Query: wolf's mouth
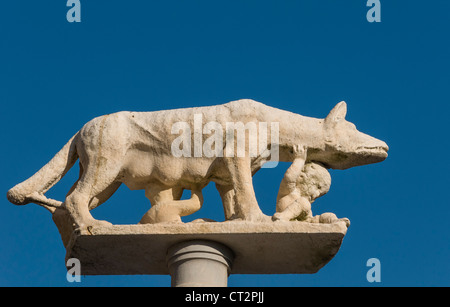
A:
381	150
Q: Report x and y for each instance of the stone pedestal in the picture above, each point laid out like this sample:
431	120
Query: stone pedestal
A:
199	263
258	248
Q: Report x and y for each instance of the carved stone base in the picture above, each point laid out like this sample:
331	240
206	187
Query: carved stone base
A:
258	248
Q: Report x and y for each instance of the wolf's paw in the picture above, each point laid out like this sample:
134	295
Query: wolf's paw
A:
92	223
279	217
257	217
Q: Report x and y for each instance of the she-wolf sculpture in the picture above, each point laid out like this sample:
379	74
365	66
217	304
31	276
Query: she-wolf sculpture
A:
137	149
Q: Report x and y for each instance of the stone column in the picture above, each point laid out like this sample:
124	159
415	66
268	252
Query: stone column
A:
199	263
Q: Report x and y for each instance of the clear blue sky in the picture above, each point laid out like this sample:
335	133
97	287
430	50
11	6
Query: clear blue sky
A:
301	56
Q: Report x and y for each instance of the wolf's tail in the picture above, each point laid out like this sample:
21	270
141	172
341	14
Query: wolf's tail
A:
32	190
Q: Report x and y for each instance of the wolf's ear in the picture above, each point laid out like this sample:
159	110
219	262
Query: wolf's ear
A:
337	113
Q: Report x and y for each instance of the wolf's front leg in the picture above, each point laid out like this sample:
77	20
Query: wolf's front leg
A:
245	204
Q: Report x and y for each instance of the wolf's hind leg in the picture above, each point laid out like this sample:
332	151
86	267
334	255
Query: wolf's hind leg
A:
89	192
77	204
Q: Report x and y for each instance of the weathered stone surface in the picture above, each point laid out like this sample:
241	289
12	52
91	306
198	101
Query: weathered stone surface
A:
143	151
259	248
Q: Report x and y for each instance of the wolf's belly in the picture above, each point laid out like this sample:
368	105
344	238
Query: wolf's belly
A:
143	169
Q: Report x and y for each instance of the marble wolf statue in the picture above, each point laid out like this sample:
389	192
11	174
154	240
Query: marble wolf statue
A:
135	148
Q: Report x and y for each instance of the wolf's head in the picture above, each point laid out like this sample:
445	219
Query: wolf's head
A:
345	146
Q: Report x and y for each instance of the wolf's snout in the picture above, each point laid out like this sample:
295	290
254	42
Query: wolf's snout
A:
380	145
383	148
